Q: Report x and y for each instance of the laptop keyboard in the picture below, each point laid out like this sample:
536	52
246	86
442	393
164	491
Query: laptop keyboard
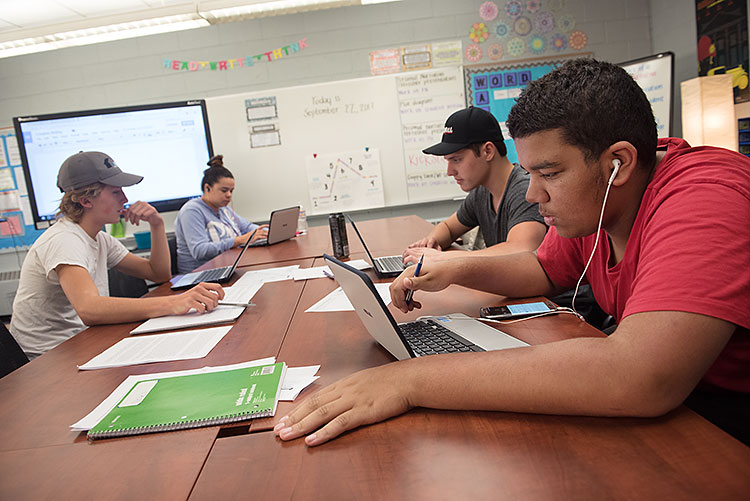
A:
391	263
208	275
428	337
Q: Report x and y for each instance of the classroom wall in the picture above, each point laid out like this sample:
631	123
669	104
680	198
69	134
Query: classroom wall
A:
130	71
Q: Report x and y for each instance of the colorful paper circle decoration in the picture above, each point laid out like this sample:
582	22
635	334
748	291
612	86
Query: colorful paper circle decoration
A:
495	51
479	32
559	42
545	22
488	11
473	53
522	26
513	8
532	6
501	29
516	47
537	44
566	23
578	40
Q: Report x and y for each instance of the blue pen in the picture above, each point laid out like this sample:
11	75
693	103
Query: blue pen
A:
410	292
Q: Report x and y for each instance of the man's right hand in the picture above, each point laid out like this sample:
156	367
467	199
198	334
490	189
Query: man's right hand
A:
202	298
432	277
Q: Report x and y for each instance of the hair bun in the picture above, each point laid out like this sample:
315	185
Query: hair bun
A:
216	161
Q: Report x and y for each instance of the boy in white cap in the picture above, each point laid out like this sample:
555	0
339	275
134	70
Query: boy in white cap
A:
64	283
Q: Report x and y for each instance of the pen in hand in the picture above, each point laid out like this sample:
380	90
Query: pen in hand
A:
410	292
229	303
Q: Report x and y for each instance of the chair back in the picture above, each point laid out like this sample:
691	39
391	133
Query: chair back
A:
11	355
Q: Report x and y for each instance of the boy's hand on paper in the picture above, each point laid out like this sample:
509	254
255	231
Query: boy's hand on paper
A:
202	298
366	397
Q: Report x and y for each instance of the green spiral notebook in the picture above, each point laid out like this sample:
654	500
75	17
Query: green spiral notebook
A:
195	400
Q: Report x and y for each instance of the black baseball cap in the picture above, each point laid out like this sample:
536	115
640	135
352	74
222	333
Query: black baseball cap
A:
88	167
465	127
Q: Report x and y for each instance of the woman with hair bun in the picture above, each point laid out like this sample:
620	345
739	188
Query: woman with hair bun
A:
207	226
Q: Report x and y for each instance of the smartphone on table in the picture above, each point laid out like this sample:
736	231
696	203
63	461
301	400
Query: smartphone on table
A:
517	310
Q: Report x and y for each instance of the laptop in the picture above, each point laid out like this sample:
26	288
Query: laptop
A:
219	275
386	266
282	226
453	333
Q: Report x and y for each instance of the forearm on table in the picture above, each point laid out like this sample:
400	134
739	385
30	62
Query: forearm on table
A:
514	275
582	376
114	310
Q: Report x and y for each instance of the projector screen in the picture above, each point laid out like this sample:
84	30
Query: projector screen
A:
168	144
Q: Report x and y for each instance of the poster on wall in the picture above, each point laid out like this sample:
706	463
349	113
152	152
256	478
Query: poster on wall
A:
723	42
15	209
495	87
345	181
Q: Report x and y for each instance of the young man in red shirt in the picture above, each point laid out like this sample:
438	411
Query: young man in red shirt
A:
657	228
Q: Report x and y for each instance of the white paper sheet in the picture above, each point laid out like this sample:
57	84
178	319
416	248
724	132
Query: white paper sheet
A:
158	348
320	271
219	315
296	380
242	291
267	275
337	300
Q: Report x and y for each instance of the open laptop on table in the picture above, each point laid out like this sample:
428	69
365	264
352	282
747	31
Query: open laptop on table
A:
386	266
282	226
218	275
433	335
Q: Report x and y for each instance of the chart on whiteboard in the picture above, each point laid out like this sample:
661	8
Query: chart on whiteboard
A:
345	181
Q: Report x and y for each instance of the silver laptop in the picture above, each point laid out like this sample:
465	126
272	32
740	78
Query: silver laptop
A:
442	334
386	266
218	275
282	226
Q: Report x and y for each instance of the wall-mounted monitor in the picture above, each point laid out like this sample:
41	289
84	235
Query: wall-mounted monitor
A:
168	144
655	75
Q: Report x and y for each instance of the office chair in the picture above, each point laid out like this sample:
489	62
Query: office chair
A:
11	355
172	242
122	285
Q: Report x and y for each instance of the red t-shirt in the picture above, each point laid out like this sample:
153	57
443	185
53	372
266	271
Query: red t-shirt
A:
689	250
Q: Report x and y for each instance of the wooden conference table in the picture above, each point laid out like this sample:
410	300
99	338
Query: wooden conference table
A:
424	454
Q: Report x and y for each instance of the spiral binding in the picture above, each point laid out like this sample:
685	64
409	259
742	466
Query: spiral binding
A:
182	425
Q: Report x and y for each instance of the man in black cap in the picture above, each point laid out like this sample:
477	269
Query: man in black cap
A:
64	283
473	146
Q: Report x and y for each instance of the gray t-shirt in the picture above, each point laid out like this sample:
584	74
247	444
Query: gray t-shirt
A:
42	315
477	208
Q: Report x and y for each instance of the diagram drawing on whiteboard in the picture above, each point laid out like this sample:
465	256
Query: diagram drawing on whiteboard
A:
345	181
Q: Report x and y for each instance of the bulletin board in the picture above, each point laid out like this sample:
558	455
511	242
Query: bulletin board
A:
16	223
338	146
495	87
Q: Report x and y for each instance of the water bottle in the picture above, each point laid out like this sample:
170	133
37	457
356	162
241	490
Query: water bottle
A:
339	241
302	222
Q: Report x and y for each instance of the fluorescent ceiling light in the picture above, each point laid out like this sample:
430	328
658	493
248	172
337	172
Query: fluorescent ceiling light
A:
165	24
101	34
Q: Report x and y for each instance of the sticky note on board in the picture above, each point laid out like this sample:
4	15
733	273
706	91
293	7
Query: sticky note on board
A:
11	226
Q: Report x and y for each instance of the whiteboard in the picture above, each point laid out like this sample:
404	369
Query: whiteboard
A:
268	139
655	75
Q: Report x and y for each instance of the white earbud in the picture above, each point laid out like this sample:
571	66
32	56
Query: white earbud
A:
617	164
